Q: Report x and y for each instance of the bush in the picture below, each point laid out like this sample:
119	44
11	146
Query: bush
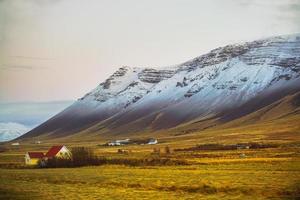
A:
216	146
82	156
156	151
167	150
56	162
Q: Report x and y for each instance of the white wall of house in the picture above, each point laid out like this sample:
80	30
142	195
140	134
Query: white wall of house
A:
27	159
64	152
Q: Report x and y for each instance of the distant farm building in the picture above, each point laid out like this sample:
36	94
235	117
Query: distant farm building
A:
119	142
33	158
113	144
15	144
134	141
152	141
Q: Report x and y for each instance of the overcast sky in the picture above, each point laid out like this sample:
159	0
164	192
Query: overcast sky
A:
61	49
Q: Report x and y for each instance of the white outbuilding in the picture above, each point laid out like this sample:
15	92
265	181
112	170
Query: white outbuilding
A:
153	141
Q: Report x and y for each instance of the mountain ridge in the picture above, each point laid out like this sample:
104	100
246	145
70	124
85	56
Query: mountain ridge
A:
224	84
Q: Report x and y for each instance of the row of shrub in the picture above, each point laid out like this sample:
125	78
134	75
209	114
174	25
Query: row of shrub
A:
216	146
83	156
253	145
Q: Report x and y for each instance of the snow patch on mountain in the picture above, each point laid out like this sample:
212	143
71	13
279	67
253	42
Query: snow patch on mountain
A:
244	69
225	77
12	130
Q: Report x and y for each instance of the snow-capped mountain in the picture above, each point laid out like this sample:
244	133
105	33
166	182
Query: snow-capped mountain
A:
224	84
12	130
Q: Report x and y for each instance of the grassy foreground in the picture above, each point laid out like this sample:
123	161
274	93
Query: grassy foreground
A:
263	173
226	177
226	181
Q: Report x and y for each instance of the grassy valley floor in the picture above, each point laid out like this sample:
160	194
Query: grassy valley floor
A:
256	173
266	176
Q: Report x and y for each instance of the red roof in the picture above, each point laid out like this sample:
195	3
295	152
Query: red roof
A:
36	154
53	151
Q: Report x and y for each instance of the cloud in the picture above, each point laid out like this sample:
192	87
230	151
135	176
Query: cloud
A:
21	67
30	113
288	9
87	41
32	58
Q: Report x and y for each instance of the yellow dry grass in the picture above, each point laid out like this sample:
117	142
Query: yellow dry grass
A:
246	180
263	174
272	173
